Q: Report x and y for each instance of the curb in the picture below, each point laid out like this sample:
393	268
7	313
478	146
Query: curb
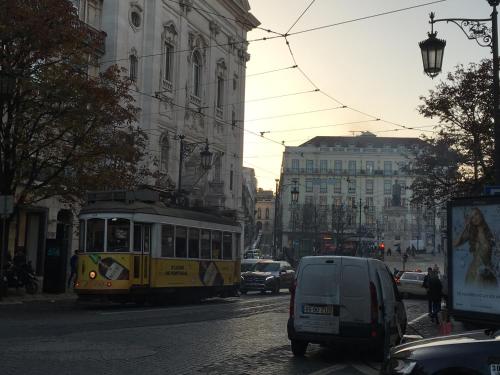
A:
42	297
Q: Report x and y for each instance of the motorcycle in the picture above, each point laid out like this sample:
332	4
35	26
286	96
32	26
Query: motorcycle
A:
21	275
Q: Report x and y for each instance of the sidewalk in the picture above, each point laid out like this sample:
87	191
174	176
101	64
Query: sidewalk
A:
20	296
421	261
424	327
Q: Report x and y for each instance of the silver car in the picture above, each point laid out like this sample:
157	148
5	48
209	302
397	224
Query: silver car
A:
411	283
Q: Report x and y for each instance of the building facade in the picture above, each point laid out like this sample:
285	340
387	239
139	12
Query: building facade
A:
249	198
264	219
353	191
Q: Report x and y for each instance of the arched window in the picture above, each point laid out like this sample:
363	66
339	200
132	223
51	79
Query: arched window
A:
164	153
197	65
134	67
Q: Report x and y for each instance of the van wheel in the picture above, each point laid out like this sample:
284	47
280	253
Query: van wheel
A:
299	348
243	291
276	289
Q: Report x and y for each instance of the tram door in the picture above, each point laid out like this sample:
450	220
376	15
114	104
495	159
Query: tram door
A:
142	248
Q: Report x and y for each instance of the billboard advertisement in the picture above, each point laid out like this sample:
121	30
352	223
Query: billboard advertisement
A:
474	258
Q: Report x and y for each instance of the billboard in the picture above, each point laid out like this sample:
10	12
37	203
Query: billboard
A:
474	258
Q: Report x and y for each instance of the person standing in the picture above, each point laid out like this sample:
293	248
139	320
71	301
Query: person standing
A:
425	285
73	265
435	295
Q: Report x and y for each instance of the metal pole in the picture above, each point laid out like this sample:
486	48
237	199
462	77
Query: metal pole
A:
181	156
359	229
275	237
496	113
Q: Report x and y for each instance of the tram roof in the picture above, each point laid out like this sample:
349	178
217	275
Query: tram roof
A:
154	209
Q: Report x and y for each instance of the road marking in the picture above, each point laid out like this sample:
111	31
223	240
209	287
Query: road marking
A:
365	369
328	370
418	318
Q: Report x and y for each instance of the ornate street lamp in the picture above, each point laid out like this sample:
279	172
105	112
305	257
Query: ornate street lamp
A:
295	193
486	36
186	149
432	52
206	157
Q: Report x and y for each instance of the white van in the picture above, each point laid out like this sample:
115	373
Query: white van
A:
342	300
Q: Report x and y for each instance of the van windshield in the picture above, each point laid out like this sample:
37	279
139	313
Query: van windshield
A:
267	267
245	267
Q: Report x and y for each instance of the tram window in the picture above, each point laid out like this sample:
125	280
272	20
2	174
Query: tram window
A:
227	242
118	234
194	243
237	246
167	241
95	235
205	244
216	245
82	235
180	242
142	237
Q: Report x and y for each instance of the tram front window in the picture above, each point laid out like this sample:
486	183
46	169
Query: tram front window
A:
118	235
227	245
95	235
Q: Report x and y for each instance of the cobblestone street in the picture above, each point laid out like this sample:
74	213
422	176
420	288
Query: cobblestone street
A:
244	335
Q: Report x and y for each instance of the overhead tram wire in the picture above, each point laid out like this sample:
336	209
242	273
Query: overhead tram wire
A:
301	15
321	126
364	18
293	114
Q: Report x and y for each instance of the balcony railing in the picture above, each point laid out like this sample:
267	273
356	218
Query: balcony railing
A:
216	188
95	37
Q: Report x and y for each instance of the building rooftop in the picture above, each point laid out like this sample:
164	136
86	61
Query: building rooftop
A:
366	139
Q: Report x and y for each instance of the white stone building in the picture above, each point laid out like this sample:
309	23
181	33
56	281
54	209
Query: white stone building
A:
351	190
249	198
187	60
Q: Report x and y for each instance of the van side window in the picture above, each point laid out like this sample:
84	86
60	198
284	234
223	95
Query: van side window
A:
394	286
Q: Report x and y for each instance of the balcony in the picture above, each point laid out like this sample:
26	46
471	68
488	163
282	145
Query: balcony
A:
195	100
95	38
216	188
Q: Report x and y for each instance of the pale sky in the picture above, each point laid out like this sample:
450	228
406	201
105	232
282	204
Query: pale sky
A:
372	65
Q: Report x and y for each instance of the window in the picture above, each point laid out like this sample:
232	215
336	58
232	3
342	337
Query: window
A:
352	167
134	66
323	201
351	187
337	167
118	235
387	202
295	165
194	243
227	245
387	187
369	203
197	74
309	185
337	186
231	176
369	186
180	242
95	235
169	53
217	169
323	187
142	238
164	153
308	199
259	213
82	235
309	166
370	167
235	82
337	202
93	14
323	166
220	92
205	244
403	187
387	168
167	241
267	212
216	245
233	118
135	18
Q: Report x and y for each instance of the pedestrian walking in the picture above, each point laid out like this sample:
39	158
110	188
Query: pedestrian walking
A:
425	285
398	249
435	295
405	259
73	264
389	252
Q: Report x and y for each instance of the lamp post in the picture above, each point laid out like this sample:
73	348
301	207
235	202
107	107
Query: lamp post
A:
475	29
276	205
186	149
365	208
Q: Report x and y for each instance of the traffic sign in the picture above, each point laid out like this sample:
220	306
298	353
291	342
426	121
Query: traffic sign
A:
6	206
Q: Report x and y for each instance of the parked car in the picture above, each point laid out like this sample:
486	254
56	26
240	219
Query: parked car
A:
248	264
339	299
470	353
410	283
252	254
267	275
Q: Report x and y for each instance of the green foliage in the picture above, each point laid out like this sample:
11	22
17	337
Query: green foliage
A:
458	161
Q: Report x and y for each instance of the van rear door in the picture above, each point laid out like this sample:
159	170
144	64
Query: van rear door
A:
355	313
317	297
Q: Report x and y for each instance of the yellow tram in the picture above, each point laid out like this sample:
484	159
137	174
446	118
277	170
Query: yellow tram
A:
133	247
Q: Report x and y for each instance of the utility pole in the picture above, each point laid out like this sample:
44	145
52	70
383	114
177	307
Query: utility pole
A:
359	230
275	226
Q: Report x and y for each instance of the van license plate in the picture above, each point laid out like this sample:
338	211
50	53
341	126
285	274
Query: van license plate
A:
318	309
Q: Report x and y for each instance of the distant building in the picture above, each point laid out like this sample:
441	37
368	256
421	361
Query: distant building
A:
264	219
249	199
351	190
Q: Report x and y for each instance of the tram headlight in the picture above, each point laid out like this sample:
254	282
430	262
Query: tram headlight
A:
92	275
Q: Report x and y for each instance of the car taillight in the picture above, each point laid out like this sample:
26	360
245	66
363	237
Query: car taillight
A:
374	308
293	287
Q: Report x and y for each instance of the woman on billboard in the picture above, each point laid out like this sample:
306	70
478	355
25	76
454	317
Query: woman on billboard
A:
481	242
